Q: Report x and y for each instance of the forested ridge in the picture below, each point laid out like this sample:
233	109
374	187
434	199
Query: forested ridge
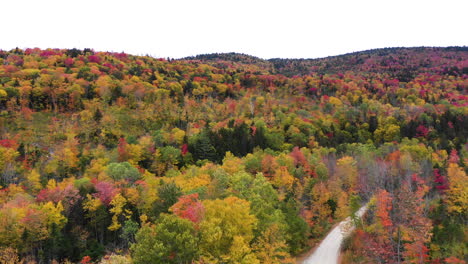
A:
402	63
227	158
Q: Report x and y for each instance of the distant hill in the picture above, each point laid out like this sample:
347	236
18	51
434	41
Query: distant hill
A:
231	56
400	63
234	60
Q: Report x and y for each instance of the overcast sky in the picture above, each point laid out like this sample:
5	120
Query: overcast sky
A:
267	29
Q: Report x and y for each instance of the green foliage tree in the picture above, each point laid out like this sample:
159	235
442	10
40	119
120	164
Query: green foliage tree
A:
297	228
168	194
122	171
170	240
202	148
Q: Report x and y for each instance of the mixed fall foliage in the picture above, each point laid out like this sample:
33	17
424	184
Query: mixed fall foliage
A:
227	158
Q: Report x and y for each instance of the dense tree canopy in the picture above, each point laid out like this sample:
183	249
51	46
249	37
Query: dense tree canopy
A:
228	158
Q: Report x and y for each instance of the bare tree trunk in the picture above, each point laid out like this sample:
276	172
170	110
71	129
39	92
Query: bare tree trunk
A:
398	246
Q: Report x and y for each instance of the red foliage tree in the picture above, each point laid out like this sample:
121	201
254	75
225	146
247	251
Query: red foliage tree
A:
69	62
454	158
184	149
300	160
422	131
441	183
384	206
68	195
94	59
189	207
86	260
105	192
8	143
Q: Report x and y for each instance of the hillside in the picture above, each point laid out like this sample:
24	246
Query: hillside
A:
400	63
107	157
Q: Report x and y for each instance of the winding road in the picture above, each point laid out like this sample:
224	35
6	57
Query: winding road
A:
328	251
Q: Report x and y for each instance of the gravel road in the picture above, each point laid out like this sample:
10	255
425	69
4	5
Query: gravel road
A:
328	251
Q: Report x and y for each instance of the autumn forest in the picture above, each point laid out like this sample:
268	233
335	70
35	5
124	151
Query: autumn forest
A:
228	158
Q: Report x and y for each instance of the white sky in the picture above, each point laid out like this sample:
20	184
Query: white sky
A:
267	29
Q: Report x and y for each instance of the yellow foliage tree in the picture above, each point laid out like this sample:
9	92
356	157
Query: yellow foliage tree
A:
240	252
187	183
335	101
283	179
344	184
97	168
118	204
347	172
320	209
457	194
178	135
9	255
272	248
54	215
148	192
134	153
10	229
387	133
91	204
3	93
226	231
232	164
51	184
21	216
33	181
7	158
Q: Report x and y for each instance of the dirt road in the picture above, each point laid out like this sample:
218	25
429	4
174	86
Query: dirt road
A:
328	251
